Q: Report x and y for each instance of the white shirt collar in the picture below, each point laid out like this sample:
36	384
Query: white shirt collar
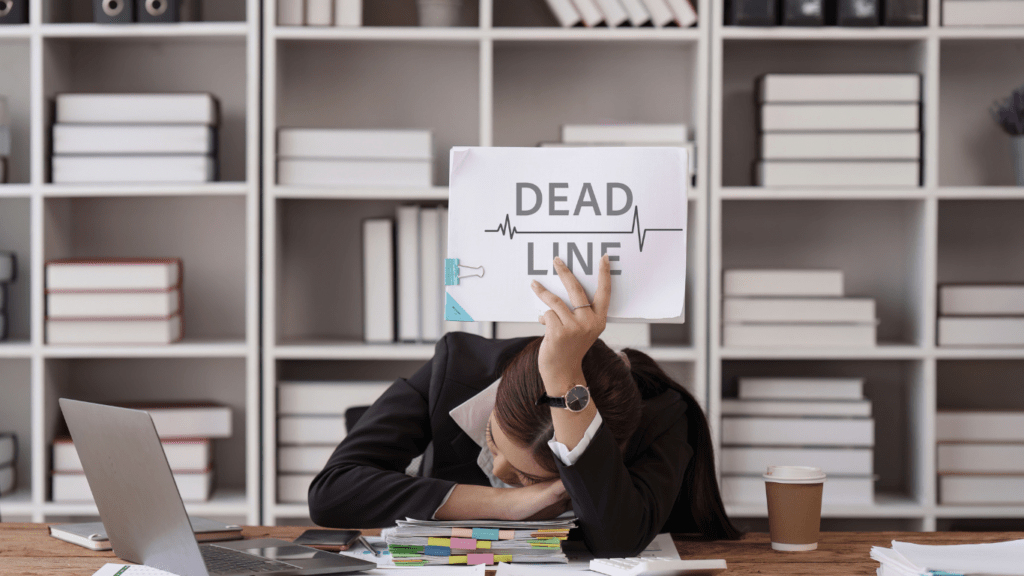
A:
472	416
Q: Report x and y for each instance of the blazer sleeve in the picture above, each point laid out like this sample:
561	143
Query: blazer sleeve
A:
621	507
364	484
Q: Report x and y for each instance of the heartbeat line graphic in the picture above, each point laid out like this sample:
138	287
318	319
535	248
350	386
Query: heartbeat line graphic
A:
641	233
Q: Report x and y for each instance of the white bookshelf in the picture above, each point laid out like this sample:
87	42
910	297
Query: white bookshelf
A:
895	245
213	227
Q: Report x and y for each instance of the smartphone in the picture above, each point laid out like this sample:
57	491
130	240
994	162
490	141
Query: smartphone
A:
328	539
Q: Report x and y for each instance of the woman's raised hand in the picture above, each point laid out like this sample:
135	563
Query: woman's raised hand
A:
570	332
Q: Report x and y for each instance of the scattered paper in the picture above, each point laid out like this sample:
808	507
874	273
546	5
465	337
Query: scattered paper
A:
130	570
906	559
579	560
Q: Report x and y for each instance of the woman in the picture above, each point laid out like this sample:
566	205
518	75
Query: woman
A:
526	428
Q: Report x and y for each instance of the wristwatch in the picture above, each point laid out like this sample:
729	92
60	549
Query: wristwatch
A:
575	400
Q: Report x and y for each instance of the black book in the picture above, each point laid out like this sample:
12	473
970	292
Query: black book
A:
858	12
804	12
752	13
904	13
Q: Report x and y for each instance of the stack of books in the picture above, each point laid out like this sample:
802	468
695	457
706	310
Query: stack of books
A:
407	303
980	457
5	139
114	301
981	315
615	13
344	13
983	12
673	135
794	308
135	138
8	272
351	158
839	130
433	543
8	462
821	422
310	424
186	431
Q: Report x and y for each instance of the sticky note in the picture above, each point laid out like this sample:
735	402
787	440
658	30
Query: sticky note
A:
462	543
456	559
462	532
502	557
506	534
473	559
483	544
438	542
485	533
437	551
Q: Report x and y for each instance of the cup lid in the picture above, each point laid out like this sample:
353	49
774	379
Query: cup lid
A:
794	475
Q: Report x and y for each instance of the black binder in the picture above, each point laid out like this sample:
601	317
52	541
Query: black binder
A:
904	13
13	11
805	12
752	13
859	12
167	10
113	11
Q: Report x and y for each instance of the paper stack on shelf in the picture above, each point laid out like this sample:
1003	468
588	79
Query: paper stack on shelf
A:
842	130
344	13
349	158
5	139
794	308
437	543
821	422
311	423
8	462
980	457
615	13
135	138
986	315
114	301
186	431
983	12
8	273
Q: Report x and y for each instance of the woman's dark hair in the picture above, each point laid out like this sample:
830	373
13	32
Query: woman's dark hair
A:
606	374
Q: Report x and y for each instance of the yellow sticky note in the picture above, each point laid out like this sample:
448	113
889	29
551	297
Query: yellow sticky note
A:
483	544
439	542
456	559
502	557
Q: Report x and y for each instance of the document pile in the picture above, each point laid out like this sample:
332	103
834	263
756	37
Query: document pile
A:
429	543
905	559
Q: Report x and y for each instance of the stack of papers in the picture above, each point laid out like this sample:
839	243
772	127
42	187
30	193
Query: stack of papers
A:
430	543
905	559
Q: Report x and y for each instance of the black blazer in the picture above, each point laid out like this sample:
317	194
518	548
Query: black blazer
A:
622	500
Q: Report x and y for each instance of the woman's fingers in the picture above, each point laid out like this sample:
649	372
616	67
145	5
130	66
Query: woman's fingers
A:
603	296
577	296
549	318
553	302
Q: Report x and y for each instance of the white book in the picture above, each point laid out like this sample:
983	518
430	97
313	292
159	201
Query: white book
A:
133	139
294	488
431	278
565	12
114	332
850	389
851	408
980	458
136	109
113	304
624	134
840	310
322	430
407	219
354	144
691	147
839	174
319	12
589	12
73	486
982	13
615	335
799	335
841	146
683	12
982	300
768	282
981	489
840	88
8	479
348	13
369	173
291	12
113	274
193	420
8	449
303	459
832	461
8	266
838	117
981	331
153	169
979	426
378	280
326	398
837	491
764	431
661	14
614	14
185	455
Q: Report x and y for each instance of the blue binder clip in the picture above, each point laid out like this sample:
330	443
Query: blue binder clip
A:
451	271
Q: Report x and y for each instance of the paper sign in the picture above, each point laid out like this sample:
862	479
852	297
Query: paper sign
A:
512	210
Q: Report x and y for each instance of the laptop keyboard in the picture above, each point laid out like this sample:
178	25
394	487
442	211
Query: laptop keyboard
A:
226	561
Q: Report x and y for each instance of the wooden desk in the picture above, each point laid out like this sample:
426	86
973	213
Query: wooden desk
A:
28	550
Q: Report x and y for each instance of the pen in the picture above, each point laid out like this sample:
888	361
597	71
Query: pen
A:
367	545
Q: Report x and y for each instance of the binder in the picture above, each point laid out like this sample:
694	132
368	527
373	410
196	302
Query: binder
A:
858	13
14	12
805	12
751	13
113	11
167	10
904	13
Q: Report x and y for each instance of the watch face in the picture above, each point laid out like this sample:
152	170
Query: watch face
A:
577	398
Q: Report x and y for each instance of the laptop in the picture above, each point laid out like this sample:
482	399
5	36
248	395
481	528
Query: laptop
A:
144	516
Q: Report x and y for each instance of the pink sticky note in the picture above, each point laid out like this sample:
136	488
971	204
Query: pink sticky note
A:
464	543
480	559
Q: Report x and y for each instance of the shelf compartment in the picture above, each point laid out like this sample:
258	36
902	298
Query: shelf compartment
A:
15	236
14	86
211	11
980	241
16	416
225	502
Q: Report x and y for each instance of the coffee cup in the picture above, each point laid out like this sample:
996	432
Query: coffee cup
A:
794	506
